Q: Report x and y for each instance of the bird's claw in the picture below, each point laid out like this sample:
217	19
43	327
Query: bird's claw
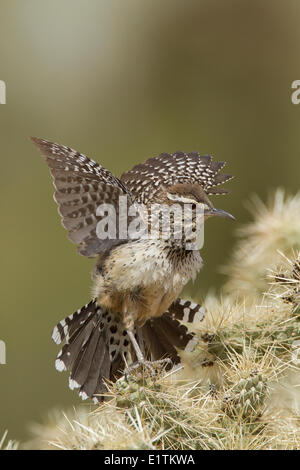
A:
152	367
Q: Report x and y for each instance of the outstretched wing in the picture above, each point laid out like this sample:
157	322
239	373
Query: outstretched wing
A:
145	180
81	186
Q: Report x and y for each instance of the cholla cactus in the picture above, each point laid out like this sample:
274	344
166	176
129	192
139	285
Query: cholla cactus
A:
9	445
276	227
239	389
286	283
246	398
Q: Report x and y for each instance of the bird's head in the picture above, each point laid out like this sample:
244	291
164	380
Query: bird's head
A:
195	196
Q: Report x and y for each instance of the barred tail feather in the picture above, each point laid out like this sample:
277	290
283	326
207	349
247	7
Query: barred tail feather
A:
94	350
163	336
70	324
97	345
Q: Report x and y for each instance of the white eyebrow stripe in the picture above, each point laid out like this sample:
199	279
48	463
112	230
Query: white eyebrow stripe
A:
178	197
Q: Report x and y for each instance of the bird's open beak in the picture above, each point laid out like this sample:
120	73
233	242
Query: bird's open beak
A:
220	213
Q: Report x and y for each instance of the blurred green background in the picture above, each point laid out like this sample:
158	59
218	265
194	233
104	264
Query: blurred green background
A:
123	80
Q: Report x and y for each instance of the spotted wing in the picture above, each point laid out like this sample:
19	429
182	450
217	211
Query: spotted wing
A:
145	180
81	186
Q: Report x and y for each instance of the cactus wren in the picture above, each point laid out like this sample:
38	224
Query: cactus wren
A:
135	314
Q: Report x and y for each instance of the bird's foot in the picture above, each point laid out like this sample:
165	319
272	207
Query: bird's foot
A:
153	368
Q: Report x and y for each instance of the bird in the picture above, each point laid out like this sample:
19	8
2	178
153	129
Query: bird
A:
135	316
